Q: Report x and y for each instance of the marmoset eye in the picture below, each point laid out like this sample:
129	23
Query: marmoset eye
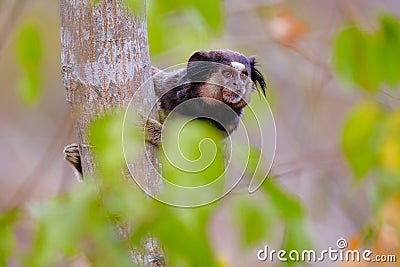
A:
243	76
227	74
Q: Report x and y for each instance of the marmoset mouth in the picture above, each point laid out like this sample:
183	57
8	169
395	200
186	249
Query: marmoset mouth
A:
230	96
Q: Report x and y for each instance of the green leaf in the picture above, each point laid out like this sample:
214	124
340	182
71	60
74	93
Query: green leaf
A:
192	155
30	88
354	58
7	240
296	238
360	136
195	248
254	220
29	53
183	25
389	43
369	60
74	223
211	12
286	204
384	187
105	135
291	213
182	232
61	223
29	46
389	147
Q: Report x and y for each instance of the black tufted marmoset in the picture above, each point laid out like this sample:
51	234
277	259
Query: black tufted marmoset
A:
219	80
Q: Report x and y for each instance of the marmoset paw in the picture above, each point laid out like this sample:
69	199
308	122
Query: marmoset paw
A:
153	130
72	155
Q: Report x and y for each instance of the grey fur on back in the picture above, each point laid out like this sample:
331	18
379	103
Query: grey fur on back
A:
165	81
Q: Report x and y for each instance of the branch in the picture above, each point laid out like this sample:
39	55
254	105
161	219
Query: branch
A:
105	58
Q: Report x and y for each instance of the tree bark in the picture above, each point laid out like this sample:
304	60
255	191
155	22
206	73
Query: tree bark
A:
105	58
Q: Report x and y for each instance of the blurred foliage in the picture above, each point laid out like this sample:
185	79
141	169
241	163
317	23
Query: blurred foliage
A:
183	25
254	220
191	154
85	221
74	223
371	133
369	60
257	219
110	153
7	240
190	24
29	49
360	137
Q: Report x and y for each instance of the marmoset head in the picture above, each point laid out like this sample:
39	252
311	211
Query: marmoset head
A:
225	75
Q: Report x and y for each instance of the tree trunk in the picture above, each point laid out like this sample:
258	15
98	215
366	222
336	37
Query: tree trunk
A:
105	58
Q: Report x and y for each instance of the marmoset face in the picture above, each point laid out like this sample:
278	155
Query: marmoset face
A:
236	84
229	84
224	75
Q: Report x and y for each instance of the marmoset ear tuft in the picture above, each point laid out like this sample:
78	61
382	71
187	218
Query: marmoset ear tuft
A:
200	56
252	60
199	66
256	76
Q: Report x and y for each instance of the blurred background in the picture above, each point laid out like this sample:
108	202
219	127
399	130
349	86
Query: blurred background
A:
336	107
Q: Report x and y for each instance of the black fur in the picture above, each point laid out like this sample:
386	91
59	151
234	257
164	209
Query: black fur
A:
199	69
256	76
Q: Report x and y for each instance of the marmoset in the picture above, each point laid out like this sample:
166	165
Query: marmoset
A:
218	80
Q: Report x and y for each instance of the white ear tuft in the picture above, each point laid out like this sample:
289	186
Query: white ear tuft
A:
238	66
